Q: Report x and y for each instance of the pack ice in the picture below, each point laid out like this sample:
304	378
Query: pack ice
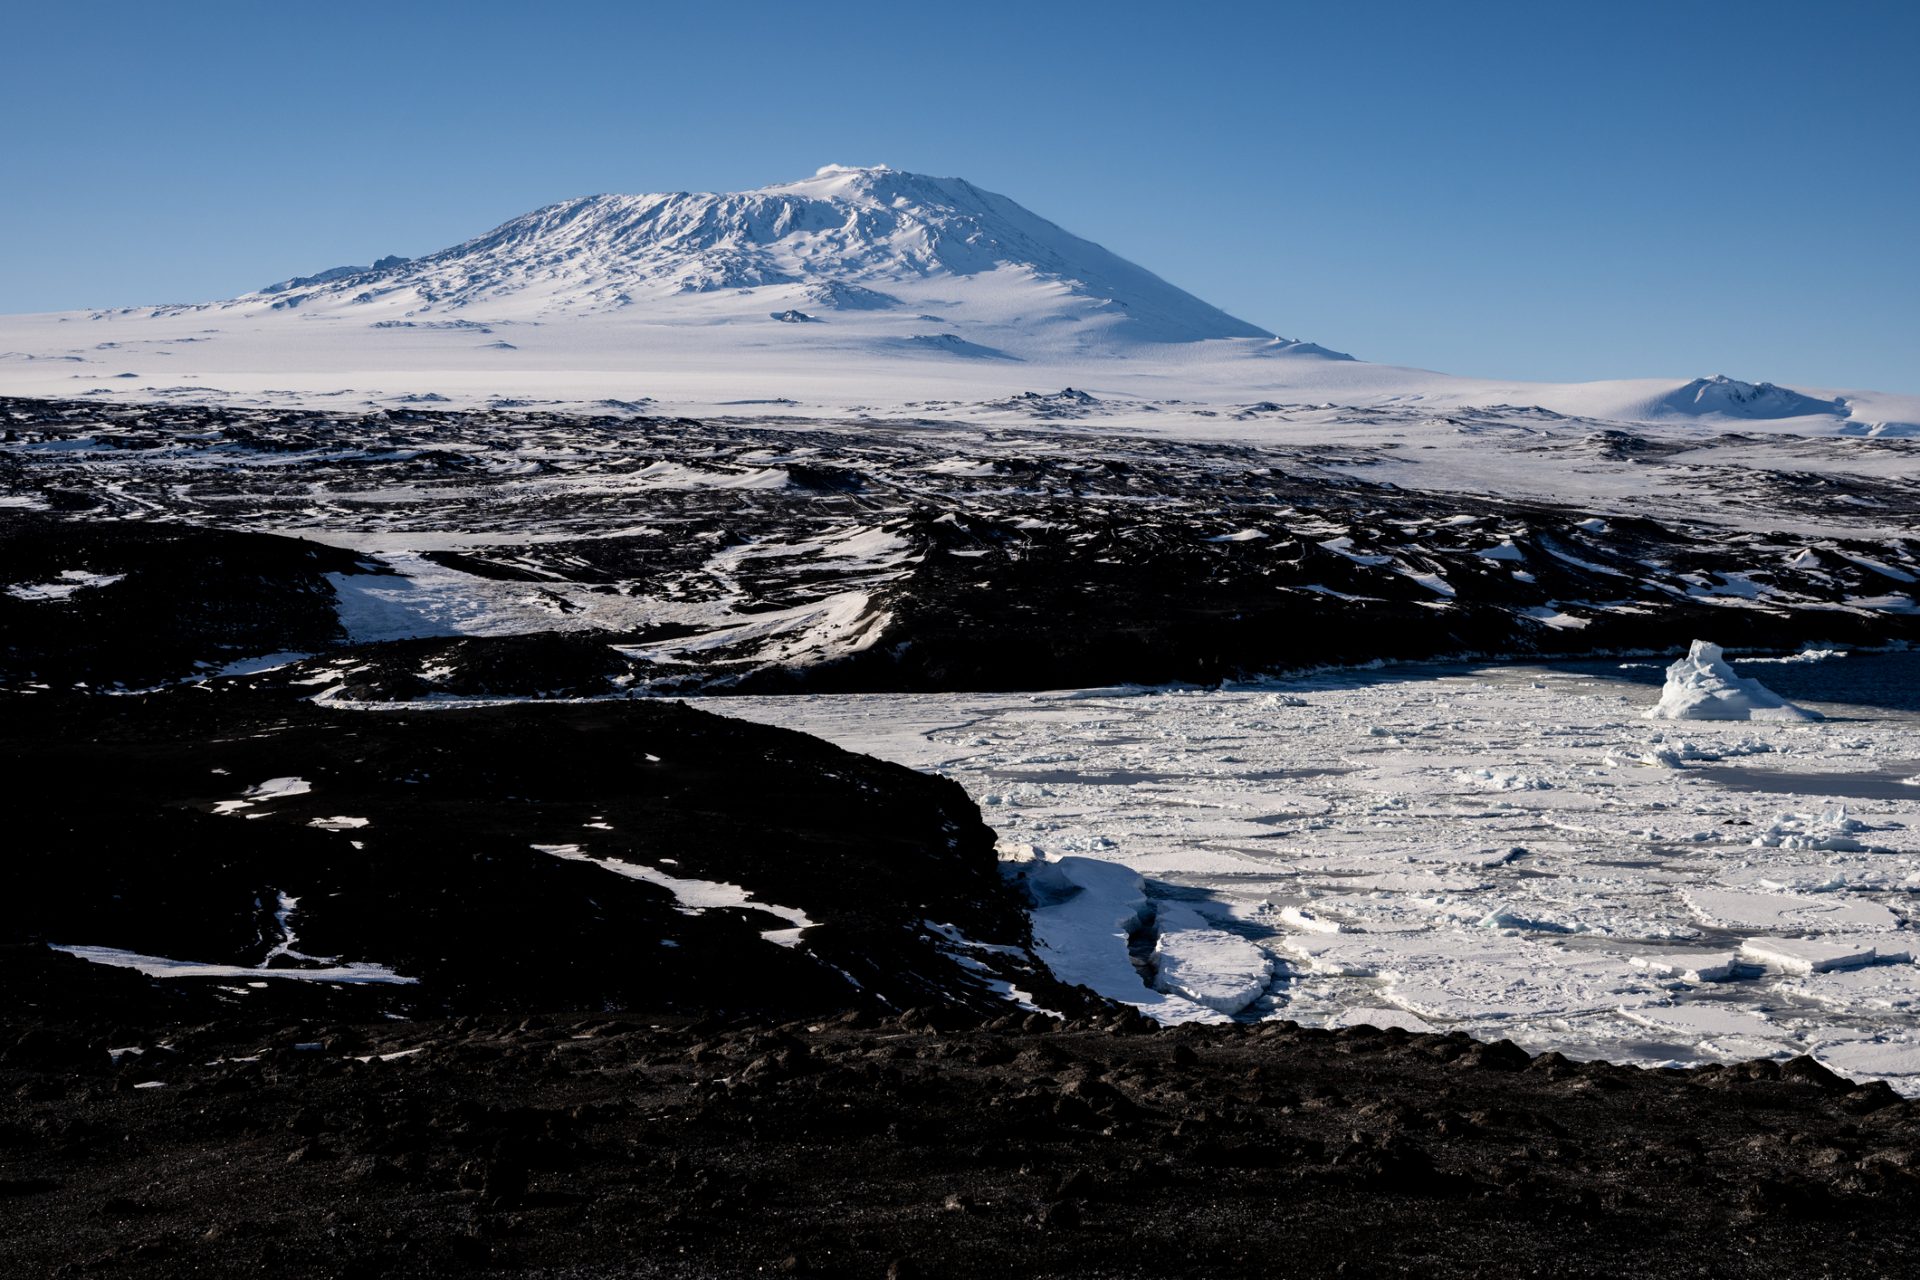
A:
1701	686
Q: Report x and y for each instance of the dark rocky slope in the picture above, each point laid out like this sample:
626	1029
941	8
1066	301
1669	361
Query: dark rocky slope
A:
423	859
287	1141
171	600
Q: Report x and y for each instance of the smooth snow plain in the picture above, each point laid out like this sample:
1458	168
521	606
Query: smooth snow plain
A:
1511	851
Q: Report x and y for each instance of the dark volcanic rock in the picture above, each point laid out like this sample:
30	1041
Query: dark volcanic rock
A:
131	602
932	555
543	664
589	1145
408	840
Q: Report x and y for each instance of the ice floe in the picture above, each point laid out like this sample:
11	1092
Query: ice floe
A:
1832	831
1085	915
1207	965
1744	909
1688	966
1817	955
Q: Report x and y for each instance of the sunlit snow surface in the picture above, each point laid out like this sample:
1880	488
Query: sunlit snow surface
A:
1513	852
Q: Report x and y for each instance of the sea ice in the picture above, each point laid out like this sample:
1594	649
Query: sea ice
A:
1703	1018
1743	909
1875	987
1868	1057
1688	966
1832	832
1085	913
1375	867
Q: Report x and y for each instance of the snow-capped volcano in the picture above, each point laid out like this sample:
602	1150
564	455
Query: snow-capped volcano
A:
866	290
940	254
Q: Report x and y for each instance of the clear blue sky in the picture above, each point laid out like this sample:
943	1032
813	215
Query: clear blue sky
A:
1548	189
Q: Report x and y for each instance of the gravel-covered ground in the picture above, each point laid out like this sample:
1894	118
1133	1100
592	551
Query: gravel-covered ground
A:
600	1145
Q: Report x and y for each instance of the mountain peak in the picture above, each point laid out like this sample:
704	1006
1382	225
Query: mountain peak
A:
829	170
905	250
874	184
1730	397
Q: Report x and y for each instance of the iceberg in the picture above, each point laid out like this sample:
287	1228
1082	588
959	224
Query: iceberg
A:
1701	686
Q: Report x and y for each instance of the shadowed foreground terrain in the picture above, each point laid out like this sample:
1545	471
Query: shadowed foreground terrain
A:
298	1144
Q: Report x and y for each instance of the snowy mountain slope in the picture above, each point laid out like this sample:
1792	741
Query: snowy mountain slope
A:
867	240
855	290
